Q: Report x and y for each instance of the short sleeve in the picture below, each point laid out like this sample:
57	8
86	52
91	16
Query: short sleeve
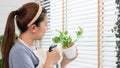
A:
21	59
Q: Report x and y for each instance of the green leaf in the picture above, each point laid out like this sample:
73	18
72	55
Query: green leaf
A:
56	39
61	33
66	32
117	1
80	30
78	33
1	37
70	40
64	39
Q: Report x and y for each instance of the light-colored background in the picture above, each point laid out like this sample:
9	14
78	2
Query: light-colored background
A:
82	13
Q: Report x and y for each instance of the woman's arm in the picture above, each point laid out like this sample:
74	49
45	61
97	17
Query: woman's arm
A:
65	61
63	65
48	64
52	58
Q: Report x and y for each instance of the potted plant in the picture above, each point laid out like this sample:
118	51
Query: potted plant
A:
67	42
1	37
116	30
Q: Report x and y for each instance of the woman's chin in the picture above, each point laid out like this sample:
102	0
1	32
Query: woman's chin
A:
38	39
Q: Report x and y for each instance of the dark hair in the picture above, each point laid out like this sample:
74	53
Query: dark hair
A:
23	16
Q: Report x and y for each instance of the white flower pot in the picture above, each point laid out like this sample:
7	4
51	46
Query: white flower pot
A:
70	52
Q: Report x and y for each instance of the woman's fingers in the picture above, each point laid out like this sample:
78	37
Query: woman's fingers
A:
54	56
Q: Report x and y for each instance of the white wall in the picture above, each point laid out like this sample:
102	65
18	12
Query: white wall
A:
6	6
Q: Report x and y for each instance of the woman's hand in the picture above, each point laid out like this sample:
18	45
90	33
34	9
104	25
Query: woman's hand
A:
52	58
66	61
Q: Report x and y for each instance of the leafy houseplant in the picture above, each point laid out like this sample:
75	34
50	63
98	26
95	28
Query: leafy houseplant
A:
1	37
65	40
116	30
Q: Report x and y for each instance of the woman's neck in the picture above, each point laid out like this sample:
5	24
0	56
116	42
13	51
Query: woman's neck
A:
27	39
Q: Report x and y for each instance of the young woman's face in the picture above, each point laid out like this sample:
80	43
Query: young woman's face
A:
42	28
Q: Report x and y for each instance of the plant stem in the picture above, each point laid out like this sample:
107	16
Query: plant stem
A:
57	66
75	39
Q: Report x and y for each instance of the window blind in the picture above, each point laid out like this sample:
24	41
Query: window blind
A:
55	21
54	12
56	16
45	43
108	52
83	13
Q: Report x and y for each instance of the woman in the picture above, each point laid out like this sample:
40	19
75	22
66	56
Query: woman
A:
31	20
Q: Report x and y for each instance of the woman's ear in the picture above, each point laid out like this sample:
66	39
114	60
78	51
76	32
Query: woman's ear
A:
33	28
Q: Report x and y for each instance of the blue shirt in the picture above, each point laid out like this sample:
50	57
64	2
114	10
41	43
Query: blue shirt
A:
22	57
